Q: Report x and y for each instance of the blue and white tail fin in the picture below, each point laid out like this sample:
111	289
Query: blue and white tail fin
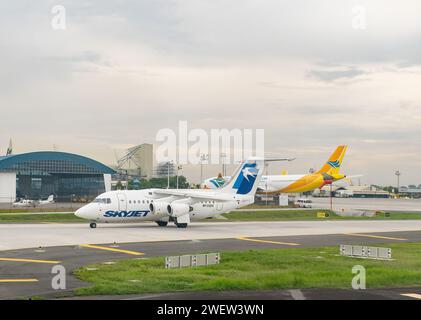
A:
246	178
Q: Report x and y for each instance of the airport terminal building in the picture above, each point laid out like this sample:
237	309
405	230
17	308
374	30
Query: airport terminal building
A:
37	175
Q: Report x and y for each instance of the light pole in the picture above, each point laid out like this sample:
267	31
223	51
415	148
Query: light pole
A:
398	174
178	168
202	158
223	157
331	197
168	174
127	179
266	184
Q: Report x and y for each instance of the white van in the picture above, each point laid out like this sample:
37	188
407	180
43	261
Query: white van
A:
304	203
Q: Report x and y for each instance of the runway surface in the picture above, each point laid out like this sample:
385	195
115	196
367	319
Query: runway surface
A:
292	294
404	205
28	272
18	236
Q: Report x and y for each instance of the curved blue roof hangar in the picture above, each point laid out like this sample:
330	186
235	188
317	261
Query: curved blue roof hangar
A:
68	176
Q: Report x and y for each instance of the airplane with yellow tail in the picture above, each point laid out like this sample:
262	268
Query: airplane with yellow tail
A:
286	183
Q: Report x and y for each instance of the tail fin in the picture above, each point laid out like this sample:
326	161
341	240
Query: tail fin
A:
333	165
246	178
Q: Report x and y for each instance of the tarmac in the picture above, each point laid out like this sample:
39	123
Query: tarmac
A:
29	251
28	272
292	294
30	235
403	205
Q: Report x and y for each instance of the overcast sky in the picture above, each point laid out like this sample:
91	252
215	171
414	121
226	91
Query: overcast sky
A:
124	69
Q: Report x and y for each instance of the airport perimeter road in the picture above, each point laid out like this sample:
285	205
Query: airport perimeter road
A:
18	236
28	272
404	205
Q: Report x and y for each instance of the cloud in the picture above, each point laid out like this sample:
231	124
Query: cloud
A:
122	70
333	75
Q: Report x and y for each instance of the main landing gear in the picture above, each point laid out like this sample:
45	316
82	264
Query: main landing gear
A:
181	222
162	223
92	225
181	225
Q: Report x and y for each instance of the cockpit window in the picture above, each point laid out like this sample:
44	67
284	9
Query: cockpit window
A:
102	200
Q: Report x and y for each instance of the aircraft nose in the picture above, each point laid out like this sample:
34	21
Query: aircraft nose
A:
88	212
82	212
78	213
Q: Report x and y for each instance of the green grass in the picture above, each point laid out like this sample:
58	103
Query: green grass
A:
48	217
255	215
29	210
255	270
261	206
293	215
281	215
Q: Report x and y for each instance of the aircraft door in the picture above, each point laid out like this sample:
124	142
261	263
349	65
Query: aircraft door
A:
219	206
122	202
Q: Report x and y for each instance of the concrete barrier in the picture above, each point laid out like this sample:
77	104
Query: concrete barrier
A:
365	252
188	261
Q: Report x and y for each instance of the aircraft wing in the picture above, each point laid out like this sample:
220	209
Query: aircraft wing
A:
354	176
346	181
195	194
279	159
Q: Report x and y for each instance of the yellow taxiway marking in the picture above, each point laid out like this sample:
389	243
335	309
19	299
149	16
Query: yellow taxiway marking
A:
372	236
111	249
412	295
29	260
18	280
267	241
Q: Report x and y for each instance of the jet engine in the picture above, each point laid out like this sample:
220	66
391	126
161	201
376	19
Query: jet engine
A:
158	207
178	209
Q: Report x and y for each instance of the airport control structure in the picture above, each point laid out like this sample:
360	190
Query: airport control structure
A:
37	175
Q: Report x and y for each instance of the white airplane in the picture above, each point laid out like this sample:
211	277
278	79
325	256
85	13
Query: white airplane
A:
24	203
33	203
49	200
179	205
299	183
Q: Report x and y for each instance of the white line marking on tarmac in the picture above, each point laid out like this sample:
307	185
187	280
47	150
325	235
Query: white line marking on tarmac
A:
412	295
297	294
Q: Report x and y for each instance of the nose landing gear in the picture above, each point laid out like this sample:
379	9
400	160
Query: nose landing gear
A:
92	225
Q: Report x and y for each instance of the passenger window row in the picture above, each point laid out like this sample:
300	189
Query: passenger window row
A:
108	201
139	201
